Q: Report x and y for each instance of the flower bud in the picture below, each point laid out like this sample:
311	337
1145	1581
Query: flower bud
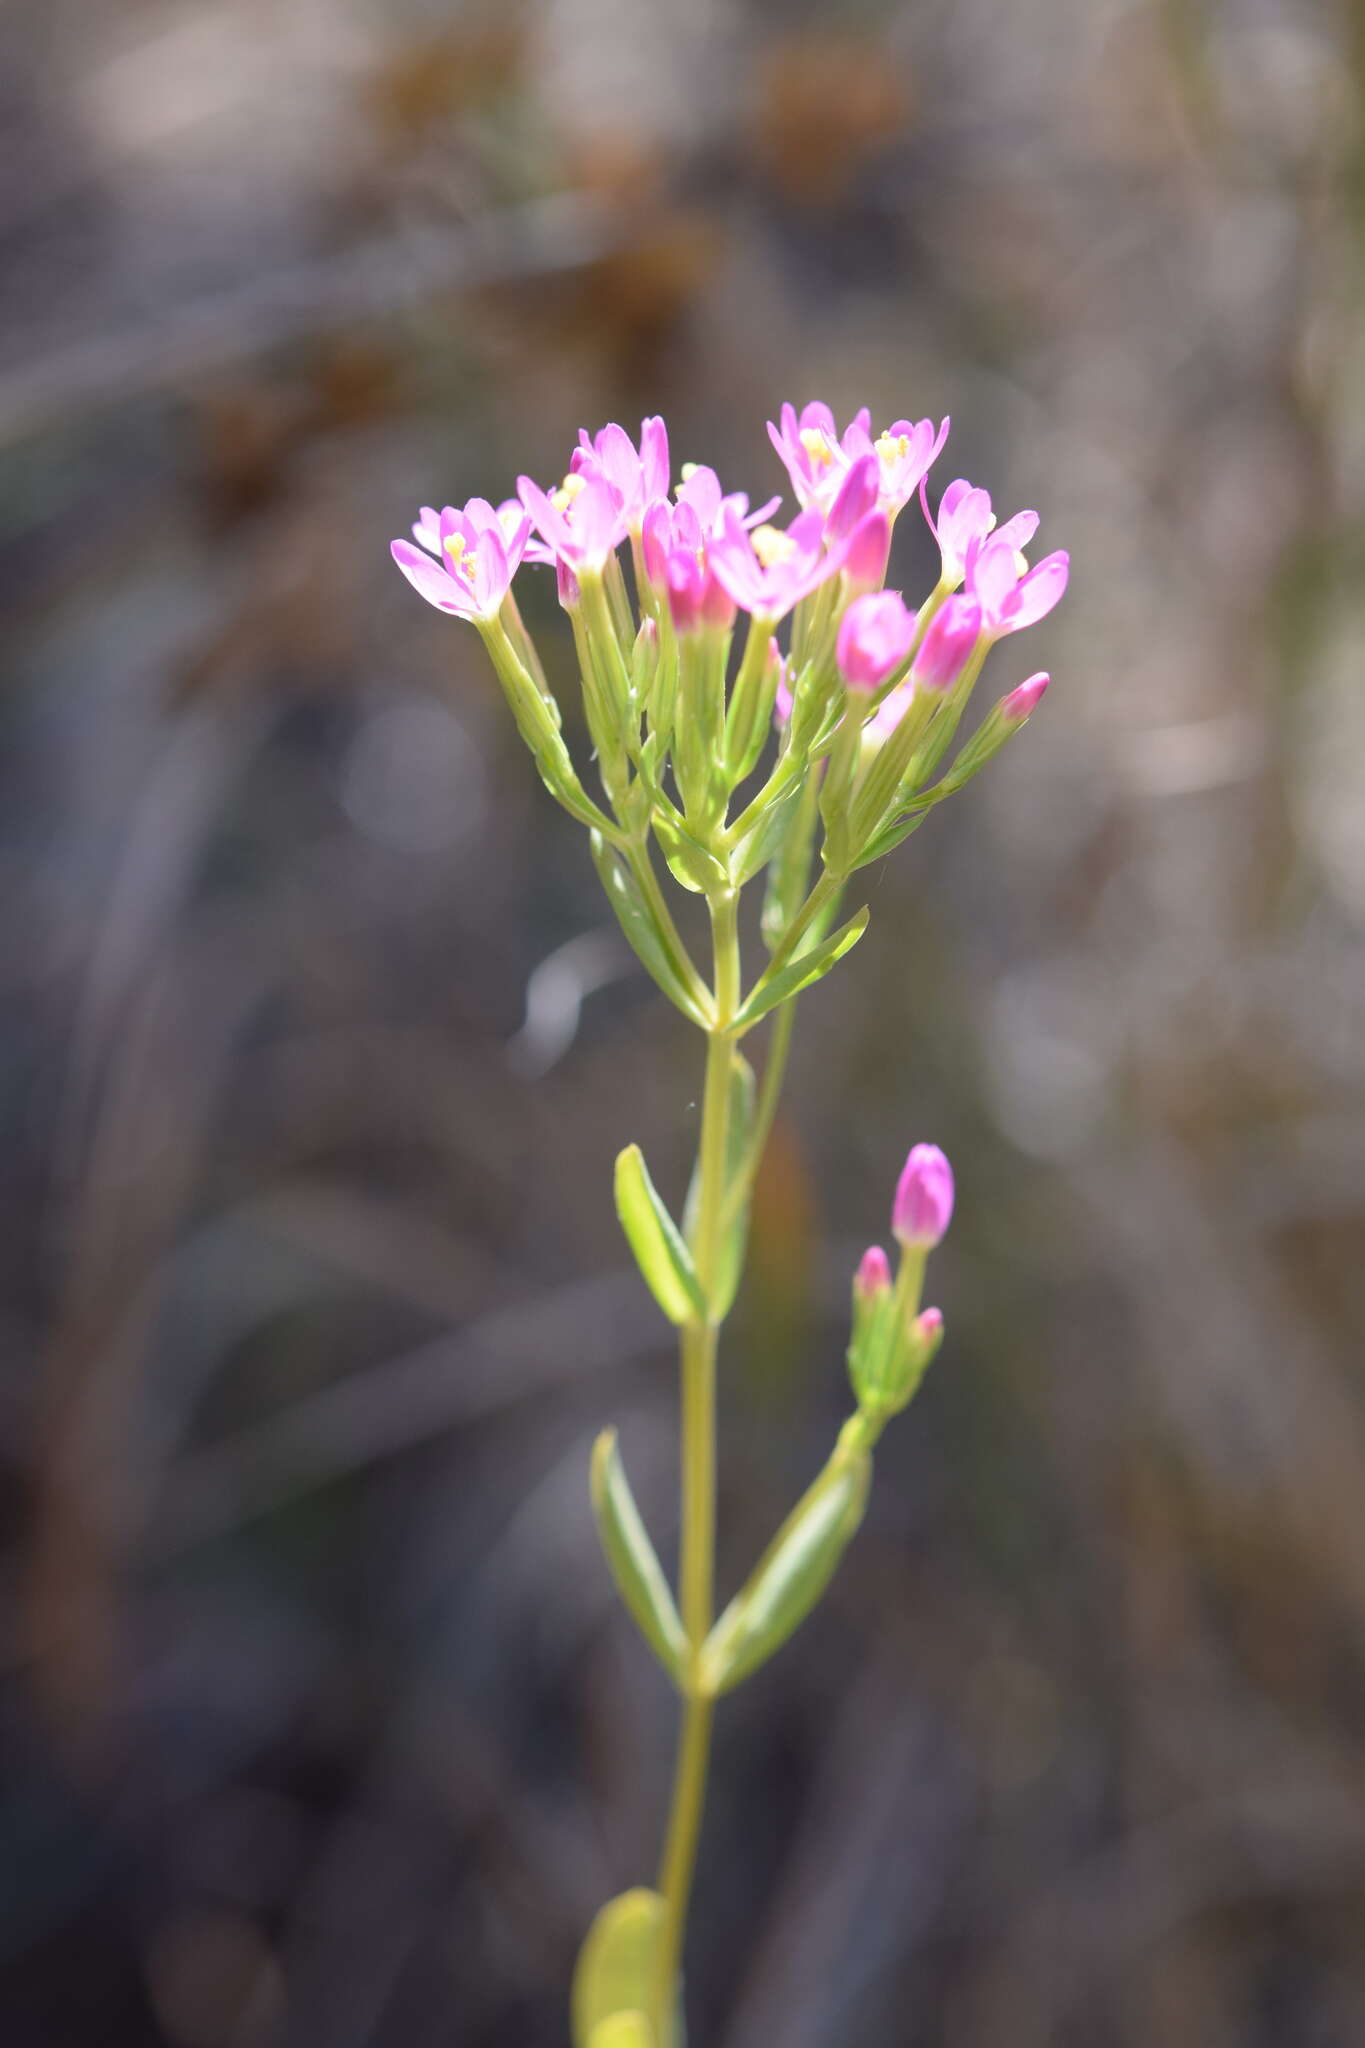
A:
946	648
874	639
684	585
923	1207
869	550
1022	702
874	1273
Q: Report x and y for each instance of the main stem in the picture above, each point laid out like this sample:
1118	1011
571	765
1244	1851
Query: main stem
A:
698	1544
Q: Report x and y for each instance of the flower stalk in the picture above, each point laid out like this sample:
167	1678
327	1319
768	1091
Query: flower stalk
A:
856	717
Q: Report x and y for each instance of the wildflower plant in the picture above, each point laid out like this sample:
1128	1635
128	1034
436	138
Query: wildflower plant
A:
760	709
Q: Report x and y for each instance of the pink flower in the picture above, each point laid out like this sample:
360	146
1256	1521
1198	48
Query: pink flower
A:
923	1207
477	550
1022	702
811	452
582	524
905	454
874	638
769	572
1008	600
965	519
874	1273
947	645
640	475
700	489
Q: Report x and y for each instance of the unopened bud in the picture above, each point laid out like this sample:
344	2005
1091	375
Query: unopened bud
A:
874	1273
923	1207
1022	702
874	639
947	645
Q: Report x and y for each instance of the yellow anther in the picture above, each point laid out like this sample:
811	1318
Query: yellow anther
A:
893	447
772	546
459	550
688	471
563	498
816	443
1020	562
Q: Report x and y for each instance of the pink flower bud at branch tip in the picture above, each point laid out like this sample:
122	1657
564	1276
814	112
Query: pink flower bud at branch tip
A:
929	1325
1022	702
923	1207
874	1273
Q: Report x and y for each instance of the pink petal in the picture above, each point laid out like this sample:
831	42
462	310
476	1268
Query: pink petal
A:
431	581
1040	590
992	580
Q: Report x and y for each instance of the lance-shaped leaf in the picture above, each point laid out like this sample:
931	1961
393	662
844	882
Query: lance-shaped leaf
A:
738	1139
614	1976
648	941
638	1574
624	2030
773	989
653	1236
791	1575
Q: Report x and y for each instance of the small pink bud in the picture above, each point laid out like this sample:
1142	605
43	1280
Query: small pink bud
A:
947	646
1022	702
929	1325
874	638
874	1273
717	605
923	1207
869	549
683	583
566	583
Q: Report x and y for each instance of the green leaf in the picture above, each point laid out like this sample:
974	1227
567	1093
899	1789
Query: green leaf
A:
648	941
614	1976
653	1236
791	1575
623	2030
768	835
799	973
739	1136
634	1566
691	863
889	838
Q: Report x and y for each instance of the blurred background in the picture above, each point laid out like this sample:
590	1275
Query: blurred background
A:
319	1723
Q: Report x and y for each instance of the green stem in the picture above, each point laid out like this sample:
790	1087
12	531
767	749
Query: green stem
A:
765	1109
698	1542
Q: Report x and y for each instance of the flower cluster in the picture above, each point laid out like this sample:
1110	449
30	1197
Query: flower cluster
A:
655	572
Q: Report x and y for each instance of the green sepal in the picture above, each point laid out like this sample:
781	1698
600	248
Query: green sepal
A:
647	941
614	1978
653	1236
634	1565
799	973
691	863
791	1575
739	1137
